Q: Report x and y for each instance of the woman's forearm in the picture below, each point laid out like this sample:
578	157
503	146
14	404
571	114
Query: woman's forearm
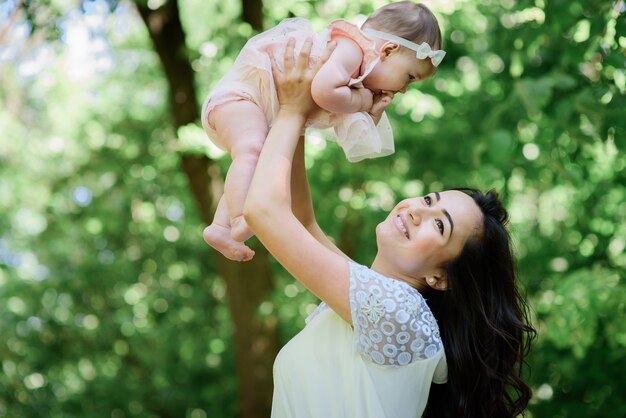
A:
269	194
270	190
301	202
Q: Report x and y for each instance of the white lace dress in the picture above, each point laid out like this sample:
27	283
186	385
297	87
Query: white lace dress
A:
382	368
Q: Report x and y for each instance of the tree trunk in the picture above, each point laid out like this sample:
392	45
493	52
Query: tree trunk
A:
256	341
252	13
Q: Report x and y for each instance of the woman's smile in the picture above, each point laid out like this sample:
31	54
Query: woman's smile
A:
400	223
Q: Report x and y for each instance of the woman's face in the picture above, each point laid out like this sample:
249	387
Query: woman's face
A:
421	234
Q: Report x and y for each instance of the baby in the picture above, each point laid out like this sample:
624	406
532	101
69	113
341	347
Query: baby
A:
397	45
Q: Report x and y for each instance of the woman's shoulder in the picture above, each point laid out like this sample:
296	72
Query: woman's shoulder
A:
392	321
365	277
398	296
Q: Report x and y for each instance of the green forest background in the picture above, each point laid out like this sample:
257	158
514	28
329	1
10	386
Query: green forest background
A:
111	305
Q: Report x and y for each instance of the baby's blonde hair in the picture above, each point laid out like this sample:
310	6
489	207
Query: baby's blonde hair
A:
411	21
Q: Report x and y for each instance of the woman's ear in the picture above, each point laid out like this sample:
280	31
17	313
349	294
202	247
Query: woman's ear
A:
437	282
442	283
387	49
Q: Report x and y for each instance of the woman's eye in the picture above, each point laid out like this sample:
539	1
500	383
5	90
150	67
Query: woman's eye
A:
439	225
428	200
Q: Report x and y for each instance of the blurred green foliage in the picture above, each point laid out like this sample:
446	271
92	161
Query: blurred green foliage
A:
109	301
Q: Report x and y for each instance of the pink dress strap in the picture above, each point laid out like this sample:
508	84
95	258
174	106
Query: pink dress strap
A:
356	133
368	46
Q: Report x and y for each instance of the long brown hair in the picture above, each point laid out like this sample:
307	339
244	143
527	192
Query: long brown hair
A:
484	324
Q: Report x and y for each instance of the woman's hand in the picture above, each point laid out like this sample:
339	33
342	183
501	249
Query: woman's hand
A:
293	84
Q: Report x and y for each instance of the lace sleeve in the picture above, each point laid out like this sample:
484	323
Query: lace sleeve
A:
392	323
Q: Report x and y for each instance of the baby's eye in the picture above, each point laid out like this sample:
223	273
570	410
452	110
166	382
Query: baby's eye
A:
428	200
439	225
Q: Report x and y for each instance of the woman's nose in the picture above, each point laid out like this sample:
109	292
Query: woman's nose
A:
415	216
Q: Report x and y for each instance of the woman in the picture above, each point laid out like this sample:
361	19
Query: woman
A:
373	347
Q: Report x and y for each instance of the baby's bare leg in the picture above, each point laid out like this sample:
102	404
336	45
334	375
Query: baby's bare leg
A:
243	126
217	235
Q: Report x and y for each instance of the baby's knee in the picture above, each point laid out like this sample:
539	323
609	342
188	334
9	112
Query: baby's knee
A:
249	148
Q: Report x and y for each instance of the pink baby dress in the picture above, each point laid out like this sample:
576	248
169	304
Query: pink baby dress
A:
250	78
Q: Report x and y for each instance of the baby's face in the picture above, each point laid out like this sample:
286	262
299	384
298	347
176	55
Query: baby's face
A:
397	70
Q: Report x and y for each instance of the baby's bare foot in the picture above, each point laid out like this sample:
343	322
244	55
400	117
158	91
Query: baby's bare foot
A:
218	237
239	230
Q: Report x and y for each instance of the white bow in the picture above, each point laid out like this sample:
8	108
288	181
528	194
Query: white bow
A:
422	51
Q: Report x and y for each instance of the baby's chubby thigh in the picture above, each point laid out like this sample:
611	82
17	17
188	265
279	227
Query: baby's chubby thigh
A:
241	127
243	100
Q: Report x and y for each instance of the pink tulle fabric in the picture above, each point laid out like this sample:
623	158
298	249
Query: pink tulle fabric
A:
250	79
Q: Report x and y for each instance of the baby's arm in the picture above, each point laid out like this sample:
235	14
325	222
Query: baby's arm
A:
381	101
330	86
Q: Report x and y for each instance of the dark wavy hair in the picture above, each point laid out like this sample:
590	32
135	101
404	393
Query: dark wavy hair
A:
484	324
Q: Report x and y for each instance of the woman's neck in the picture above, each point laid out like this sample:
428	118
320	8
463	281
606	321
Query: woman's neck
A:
380	266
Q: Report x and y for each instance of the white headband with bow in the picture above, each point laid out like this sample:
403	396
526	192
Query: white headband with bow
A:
422	51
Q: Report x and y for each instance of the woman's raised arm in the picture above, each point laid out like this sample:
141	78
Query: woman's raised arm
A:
301	203
268	208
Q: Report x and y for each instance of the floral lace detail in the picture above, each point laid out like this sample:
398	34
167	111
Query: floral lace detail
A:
411	305
393	325
372	308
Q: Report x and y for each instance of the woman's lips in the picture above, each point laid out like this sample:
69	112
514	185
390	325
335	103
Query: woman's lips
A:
401	225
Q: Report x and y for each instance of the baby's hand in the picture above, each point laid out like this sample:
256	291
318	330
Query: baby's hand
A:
380	102
367	99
